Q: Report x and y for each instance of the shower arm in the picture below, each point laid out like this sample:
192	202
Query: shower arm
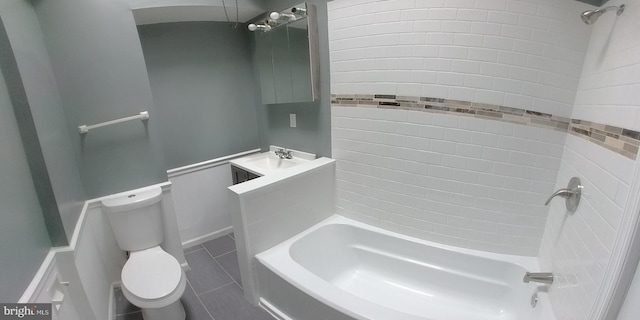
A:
619	9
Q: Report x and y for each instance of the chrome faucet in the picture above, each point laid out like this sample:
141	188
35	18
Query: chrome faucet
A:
542	277
283	153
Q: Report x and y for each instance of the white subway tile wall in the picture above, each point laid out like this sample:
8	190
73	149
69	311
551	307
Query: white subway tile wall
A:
479	183
609	89
578	247
463	181
522	54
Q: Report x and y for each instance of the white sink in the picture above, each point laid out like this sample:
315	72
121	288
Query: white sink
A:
268	162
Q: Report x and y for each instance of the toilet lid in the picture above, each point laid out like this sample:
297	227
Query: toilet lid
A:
151	273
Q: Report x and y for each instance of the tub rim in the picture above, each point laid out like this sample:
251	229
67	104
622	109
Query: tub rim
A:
349	304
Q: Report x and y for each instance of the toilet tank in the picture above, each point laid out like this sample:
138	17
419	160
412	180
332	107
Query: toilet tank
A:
136	218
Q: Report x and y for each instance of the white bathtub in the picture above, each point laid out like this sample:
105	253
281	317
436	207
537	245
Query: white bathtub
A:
343	269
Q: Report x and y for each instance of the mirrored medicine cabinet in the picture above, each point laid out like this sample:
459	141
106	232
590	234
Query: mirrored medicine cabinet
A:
286	54
597	3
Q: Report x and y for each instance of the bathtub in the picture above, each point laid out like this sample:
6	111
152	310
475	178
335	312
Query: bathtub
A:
344	269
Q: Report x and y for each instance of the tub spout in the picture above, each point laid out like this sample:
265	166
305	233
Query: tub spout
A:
542	277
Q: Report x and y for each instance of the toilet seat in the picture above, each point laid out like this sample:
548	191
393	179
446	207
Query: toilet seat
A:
152	278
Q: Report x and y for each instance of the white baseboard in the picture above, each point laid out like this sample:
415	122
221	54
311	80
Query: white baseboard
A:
207	237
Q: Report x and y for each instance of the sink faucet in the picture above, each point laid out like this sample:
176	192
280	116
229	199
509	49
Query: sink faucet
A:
542	277
283	153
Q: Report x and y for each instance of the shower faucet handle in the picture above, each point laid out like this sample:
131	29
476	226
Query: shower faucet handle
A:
564	192
571	193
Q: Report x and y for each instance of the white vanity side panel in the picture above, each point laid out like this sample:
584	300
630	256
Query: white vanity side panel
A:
201	203
282	210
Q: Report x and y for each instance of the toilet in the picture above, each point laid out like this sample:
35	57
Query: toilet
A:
152	279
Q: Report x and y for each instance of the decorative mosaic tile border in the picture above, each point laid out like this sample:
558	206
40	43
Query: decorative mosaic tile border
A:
620	140
616	139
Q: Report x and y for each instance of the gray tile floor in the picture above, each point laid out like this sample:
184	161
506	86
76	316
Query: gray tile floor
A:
214	290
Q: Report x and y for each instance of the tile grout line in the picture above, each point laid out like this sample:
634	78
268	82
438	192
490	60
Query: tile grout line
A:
200	300
191	249
216	288
195	251
220	255
212	256
221	266
209	253
223	269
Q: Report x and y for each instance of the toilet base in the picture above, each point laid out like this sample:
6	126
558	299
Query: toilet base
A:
174	311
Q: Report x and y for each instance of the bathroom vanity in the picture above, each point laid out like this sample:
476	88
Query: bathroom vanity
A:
261	164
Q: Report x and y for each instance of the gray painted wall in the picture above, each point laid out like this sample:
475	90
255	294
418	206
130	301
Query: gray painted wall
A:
24	240
202	85
99	68
313	131
30	141
66	194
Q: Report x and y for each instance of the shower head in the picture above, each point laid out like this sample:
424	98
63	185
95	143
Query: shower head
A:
591	16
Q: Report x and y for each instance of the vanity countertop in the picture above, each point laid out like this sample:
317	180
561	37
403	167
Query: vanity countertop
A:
265	163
